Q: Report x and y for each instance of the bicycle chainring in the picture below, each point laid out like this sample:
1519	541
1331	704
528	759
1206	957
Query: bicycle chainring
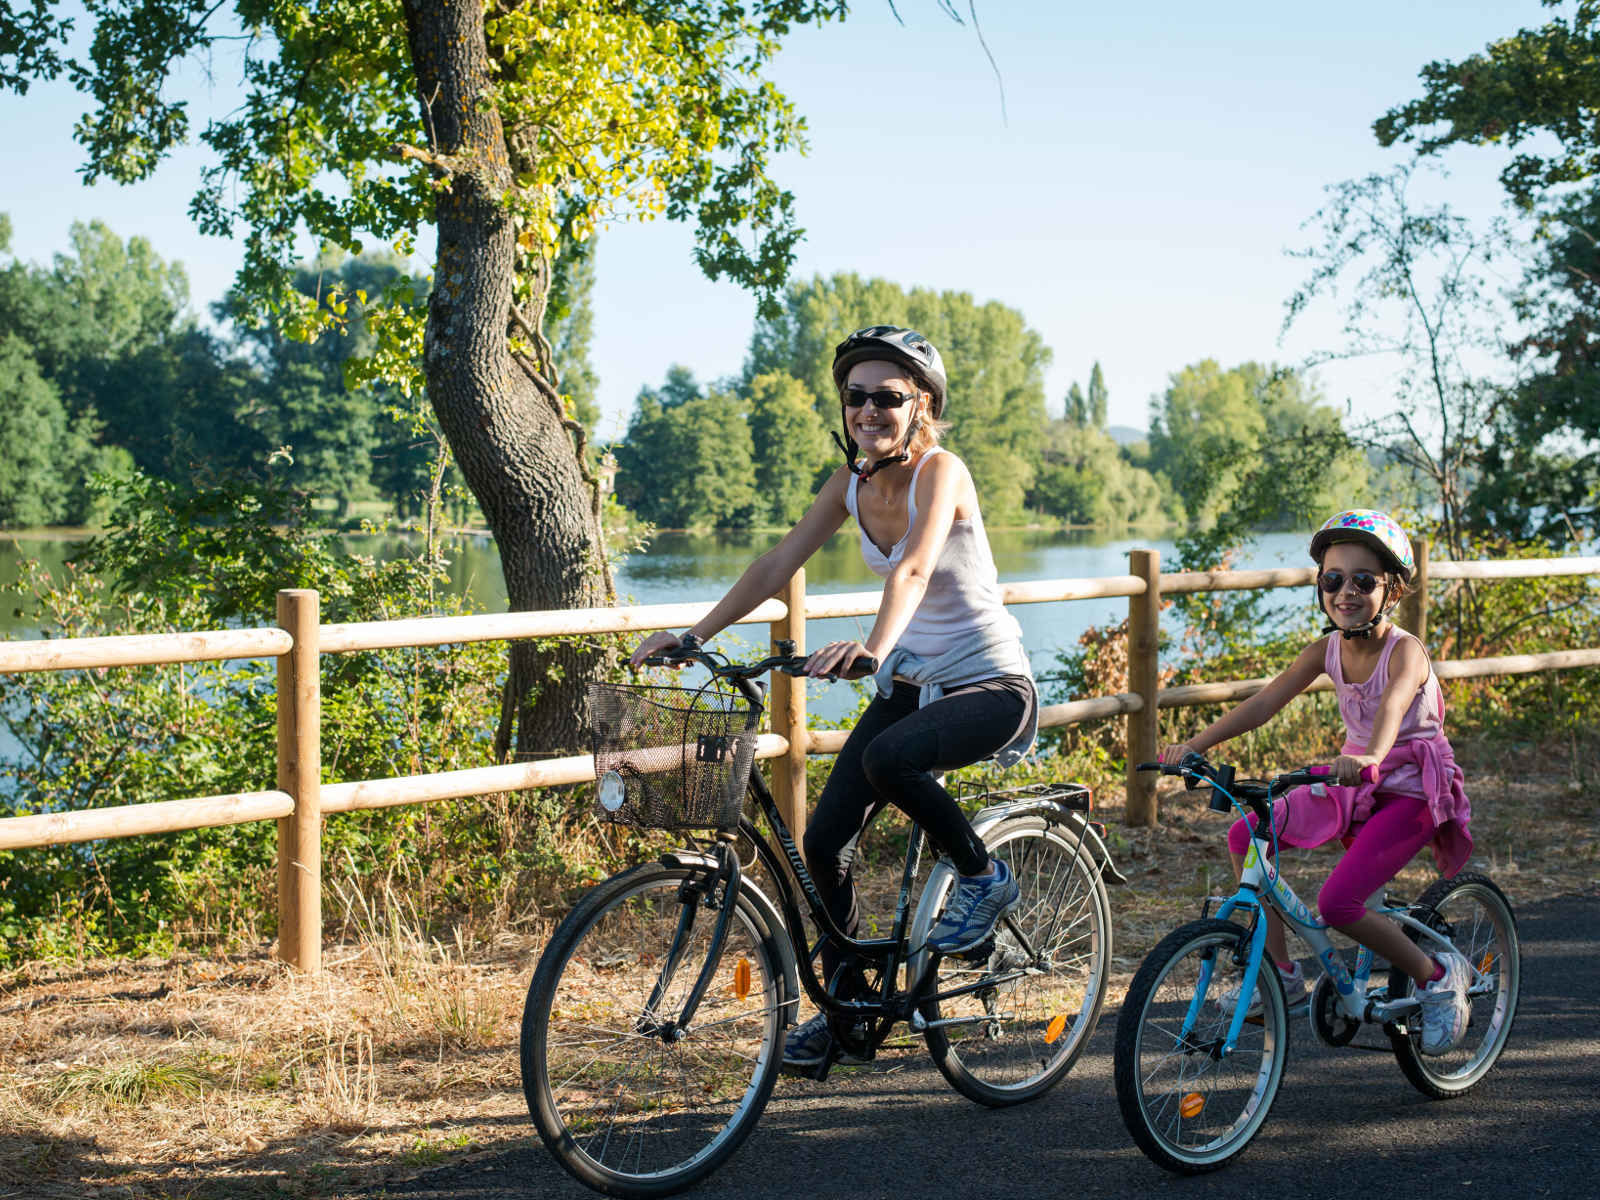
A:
1329	1024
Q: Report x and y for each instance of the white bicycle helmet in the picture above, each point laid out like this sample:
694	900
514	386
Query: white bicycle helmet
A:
1371	528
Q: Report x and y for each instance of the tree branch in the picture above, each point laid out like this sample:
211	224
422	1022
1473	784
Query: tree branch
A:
443	164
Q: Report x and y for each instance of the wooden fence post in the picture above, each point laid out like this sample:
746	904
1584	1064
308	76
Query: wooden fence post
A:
789	709
1414	608
300	774
1144	642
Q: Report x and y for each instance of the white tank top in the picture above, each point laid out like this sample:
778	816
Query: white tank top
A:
963	596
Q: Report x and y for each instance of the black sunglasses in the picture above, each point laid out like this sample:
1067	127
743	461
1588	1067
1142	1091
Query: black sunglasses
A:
1364	582
885	398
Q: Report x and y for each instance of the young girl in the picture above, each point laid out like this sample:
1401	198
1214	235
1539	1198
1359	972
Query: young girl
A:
1393	714
954	686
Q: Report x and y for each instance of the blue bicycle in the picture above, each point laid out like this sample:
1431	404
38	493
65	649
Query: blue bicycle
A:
1204	1032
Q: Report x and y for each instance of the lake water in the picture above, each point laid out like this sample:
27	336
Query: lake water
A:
679	567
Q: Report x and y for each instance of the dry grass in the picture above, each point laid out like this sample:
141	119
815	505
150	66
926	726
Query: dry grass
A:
230	1076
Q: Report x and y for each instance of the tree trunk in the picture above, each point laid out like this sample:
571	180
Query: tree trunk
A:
506	432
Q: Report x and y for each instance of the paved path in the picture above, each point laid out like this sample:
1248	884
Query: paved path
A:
1344	1123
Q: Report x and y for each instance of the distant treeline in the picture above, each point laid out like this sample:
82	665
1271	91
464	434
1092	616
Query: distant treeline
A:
752	450
104	368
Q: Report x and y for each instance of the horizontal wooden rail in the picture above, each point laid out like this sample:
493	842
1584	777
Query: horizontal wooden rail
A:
479	781
142	649
133	820
1237	581
1074	712
1514	568
492	627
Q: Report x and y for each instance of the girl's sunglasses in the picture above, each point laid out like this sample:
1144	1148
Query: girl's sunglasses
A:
1364	582
886	398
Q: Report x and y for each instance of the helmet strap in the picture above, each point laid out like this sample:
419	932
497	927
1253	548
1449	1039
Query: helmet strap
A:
848	446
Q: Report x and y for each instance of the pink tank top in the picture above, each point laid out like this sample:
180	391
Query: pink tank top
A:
1358	705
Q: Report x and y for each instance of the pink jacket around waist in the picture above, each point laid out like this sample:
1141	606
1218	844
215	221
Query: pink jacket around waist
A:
1310	820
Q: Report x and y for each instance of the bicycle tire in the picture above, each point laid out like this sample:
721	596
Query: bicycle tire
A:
1027	1046
1160	1079
1485	931
632	1113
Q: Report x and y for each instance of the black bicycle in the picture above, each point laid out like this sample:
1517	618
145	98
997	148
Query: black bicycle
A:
653	1030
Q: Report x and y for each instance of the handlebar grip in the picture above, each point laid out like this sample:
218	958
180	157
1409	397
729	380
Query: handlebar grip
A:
1369	773
866	664
1150	766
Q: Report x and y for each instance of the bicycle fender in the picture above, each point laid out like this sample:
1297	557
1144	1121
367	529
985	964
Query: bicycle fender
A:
778	934
767	920
1070	817
986	820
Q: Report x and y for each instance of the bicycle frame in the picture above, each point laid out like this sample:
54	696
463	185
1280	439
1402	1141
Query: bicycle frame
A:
889	954
1261	884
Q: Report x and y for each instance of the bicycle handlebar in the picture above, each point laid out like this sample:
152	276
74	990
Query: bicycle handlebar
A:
1193	766
1226	792
788	664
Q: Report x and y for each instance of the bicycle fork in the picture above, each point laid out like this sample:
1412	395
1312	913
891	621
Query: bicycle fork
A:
693	894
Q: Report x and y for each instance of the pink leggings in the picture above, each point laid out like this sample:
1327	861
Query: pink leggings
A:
1397	829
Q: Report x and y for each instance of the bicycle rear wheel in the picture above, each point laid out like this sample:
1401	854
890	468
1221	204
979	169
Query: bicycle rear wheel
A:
1016	1040
627	1104
1190	1108
1477	918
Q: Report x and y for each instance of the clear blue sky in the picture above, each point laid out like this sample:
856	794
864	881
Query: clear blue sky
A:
1157	161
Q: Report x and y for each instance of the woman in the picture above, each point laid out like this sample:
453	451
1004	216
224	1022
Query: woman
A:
954	685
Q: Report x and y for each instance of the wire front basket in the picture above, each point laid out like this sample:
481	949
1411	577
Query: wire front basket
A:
671	757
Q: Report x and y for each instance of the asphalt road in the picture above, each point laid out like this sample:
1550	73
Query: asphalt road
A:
1345	1121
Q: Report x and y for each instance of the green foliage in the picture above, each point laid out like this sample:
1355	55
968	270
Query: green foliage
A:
571	327
1411	283
630	110
1099	398
791	449
34	475
995	364
1085	479
1075	407
688	459
1252	447
1536	92
197	557
1533	86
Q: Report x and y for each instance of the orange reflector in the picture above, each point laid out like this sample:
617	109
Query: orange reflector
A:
1053	1030
1486	962
741	978
1191	1105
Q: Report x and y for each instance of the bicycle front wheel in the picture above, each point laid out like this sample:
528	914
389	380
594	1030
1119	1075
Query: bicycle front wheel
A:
1190	1107
1015	1039
1477	918
627	1102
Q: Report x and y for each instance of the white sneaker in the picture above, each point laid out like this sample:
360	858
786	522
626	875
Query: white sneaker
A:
1295	991
1445	1006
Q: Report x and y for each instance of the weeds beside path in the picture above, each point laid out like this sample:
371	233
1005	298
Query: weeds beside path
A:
231	1076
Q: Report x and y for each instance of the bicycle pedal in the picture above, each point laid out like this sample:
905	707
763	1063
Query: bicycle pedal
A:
980	953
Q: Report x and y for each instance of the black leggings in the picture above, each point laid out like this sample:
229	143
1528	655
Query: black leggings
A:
888	759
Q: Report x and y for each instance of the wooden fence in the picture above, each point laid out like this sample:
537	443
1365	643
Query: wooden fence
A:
301	801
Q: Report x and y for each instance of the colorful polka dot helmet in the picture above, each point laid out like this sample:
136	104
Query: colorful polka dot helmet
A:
1371	528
